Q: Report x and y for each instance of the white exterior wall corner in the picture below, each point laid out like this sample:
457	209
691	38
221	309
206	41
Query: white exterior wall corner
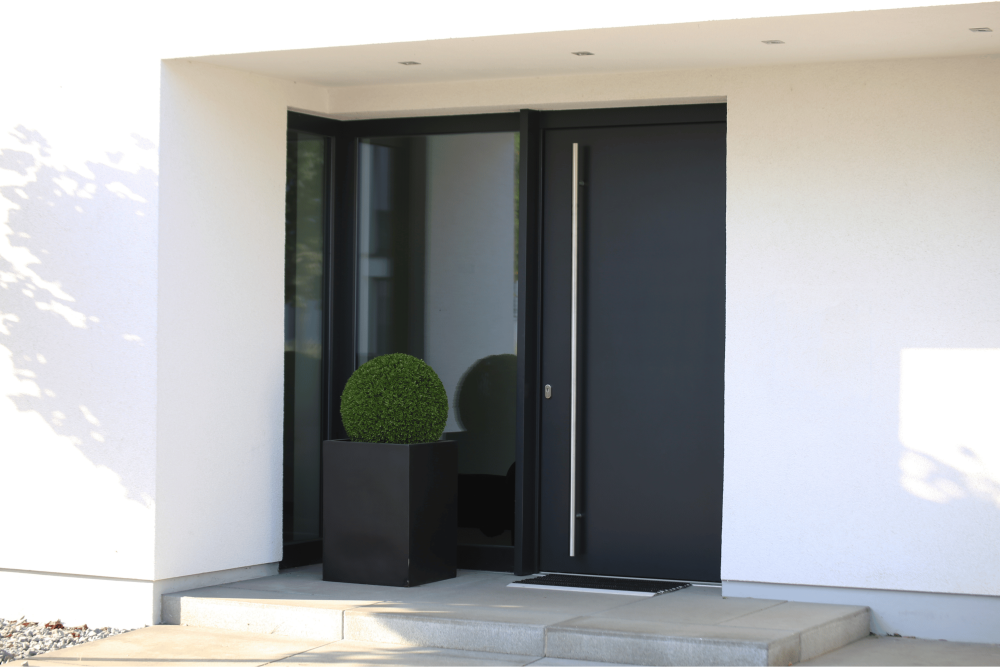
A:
78	284
80	394
103	601
221	304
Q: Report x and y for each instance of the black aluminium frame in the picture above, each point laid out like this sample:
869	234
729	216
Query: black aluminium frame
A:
304	553
340	255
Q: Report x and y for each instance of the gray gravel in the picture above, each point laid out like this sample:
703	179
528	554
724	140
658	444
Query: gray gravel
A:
21	639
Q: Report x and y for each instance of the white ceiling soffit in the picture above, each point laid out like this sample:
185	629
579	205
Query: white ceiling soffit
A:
938	31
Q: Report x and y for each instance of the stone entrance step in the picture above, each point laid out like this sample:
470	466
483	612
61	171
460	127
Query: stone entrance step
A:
478	612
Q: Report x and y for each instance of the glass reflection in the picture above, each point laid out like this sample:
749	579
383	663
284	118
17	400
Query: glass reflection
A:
304	212
437	278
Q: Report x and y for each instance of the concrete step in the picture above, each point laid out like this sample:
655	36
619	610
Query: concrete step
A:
478	612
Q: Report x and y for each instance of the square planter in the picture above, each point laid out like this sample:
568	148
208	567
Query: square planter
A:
389	512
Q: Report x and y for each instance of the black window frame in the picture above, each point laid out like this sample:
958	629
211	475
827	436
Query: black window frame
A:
340	276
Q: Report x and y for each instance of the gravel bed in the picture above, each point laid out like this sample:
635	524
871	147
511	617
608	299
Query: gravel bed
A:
21	639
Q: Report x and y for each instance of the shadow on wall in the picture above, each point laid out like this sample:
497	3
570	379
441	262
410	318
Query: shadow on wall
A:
77	307
949	424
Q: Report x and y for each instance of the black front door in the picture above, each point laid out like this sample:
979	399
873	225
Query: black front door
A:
650	351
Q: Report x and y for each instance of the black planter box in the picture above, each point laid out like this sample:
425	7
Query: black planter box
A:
389	512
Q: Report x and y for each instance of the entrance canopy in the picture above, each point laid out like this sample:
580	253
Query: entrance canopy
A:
654	38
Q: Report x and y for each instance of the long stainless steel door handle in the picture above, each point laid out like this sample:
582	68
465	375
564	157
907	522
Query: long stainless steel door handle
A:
572	356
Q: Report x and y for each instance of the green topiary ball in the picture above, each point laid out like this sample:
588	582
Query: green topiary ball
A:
394	398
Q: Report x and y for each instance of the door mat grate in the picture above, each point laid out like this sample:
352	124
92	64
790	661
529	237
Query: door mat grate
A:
576	582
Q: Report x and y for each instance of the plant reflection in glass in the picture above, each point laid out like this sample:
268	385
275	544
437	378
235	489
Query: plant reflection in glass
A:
486	409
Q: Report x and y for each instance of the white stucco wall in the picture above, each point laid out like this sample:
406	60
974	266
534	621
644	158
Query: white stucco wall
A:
78	346
130	460
78	336
221	309
863	230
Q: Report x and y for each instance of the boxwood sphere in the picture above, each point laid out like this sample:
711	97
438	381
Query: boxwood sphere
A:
394	398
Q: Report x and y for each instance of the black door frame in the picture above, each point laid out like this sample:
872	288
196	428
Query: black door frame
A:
340	256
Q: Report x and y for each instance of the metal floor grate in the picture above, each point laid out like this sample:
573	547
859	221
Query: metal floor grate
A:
576	582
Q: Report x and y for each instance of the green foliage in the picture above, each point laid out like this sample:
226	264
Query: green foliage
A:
394	398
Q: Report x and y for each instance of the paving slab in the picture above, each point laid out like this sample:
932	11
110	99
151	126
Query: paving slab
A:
701	605
653	642
874	650
474	630
187	646
699	624
309	580
495	618
822	628
298	602
300	618
477	612
559	662
498	619
192	647
365	653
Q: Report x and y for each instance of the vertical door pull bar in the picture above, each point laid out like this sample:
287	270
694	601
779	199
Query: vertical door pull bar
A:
572	358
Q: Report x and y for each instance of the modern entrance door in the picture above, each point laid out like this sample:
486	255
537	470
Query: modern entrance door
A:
631	479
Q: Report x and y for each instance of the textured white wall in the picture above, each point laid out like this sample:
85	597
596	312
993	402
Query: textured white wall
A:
863	223
78	270
863	229
91	469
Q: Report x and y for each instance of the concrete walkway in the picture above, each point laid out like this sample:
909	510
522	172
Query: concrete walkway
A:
167	646
478	612
476	619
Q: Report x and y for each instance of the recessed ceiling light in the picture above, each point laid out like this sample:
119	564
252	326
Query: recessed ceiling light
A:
582	53
772	41
981	29
408	62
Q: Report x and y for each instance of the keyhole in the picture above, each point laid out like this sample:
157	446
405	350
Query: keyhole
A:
548	391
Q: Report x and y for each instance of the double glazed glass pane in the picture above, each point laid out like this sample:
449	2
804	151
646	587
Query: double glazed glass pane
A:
304	216
437	279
